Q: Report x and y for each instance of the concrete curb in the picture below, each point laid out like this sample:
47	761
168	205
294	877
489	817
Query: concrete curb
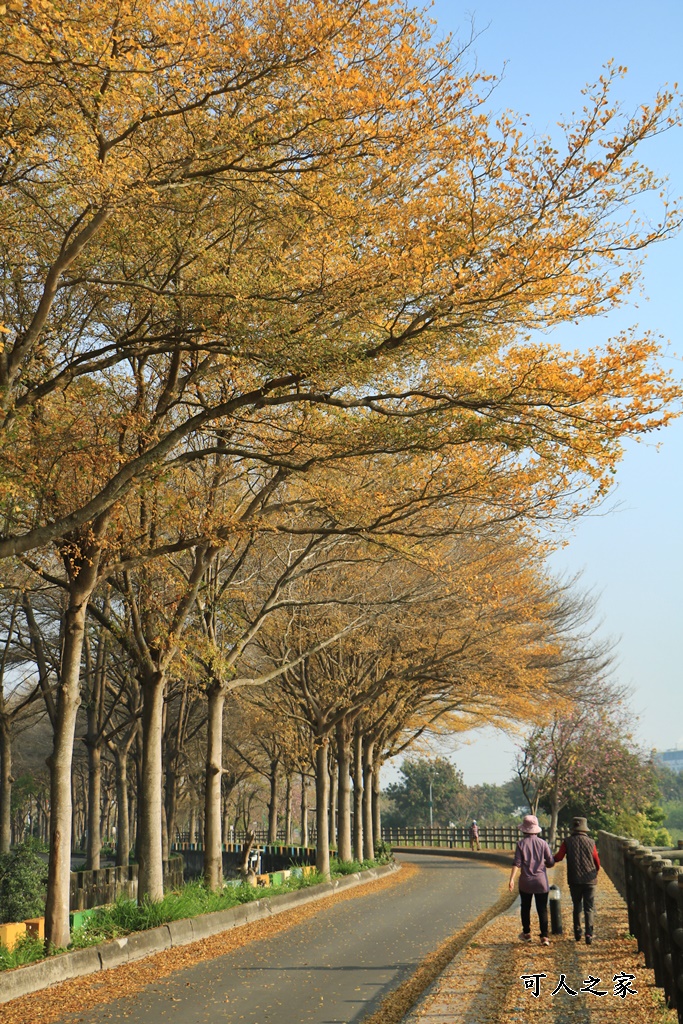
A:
491	856
22	981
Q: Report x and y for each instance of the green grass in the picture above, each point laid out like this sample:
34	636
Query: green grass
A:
351	867
26	951
194	899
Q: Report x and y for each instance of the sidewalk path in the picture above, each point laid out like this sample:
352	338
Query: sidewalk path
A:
483	983
331	962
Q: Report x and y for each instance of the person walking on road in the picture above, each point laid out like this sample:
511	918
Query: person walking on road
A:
532	857
583	864
474	834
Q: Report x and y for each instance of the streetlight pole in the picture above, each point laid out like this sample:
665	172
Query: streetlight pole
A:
431	805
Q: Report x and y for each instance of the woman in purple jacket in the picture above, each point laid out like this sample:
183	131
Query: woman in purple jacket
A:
532	857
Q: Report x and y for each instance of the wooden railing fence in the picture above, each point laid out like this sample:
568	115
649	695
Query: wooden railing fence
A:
90	889
651	882
491	837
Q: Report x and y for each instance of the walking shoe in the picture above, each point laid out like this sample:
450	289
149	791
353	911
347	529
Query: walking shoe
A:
545	941
578	935
525	936
589	940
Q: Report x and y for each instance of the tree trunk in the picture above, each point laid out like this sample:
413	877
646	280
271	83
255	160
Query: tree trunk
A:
368	835
304	811
135	794
273	803
213	851
151	870
332	828
376	803
322	800
5	786
165	841
133	820
105	815
288	812
122	810
94	838
60	761
225	803
171	801
344	846
554	814
358	796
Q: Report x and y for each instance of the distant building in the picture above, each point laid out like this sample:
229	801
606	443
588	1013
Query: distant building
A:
672	759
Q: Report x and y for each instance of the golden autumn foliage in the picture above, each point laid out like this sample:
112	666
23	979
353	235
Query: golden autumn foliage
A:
214	212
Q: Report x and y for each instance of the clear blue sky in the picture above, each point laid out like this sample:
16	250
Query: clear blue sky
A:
632	557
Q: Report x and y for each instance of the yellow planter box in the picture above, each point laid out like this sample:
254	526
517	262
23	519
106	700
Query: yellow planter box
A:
263	880
11	933
308	869
35	927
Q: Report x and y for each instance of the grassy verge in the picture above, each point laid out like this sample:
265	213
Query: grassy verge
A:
126	916
26	951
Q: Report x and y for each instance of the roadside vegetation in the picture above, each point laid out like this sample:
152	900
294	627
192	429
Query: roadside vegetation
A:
126	916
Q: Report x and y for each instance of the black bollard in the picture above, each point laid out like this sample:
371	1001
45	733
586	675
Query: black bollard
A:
554	900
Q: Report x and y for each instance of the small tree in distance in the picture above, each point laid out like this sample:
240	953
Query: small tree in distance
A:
588	763
410	796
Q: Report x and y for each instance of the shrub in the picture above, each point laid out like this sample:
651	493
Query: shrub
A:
383	852
642	827
345	867
23	884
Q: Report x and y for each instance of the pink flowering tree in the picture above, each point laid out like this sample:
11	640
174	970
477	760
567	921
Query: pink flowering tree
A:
587	762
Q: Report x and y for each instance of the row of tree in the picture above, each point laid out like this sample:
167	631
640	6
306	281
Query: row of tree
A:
272	419
587	763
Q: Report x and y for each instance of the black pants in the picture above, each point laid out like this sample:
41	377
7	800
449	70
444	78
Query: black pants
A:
583	894
541	907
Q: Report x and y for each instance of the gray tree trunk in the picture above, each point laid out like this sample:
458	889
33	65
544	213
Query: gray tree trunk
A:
358	795
368	834
288	812
122	810
554	814
150	848
376	803
213	855
94	839
5	786
304	811
273	802
322	801
332	826
60	762
344	844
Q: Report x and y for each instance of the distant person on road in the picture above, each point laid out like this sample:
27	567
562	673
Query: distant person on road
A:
583	865
474	834
532	857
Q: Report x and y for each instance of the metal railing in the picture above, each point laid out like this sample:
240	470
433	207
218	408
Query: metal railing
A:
652	886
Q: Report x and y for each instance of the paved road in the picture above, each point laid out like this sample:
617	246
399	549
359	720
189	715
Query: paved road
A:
334	968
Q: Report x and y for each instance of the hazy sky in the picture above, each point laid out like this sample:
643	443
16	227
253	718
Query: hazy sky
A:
632	557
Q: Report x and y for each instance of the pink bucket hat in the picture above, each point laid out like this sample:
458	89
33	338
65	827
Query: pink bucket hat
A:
530	825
